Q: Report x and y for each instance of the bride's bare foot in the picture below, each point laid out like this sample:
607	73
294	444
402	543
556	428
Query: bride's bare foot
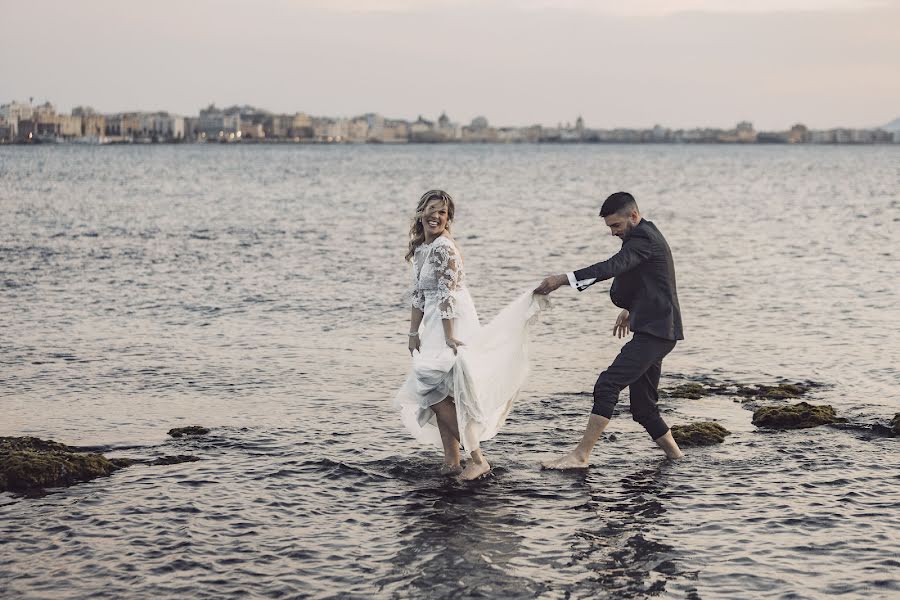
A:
475	469
451	469
569	461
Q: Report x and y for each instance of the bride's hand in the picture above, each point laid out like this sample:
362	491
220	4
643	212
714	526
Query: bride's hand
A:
621	326
454	344
413	344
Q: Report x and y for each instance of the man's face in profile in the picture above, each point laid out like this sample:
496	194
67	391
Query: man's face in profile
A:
620	225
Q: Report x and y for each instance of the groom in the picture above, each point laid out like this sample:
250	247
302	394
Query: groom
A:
644	287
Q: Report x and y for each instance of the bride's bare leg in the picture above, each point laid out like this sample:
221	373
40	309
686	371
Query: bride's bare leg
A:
445	411
580	456
476	467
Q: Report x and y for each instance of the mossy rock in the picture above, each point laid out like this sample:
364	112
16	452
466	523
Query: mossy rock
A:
28	464
692	391
782	391
895	423
185	431
699	434
795	416
697	390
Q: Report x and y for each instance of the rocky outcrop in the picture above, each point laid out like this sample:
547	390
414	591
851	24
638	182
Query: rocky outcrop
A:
795	416
895	424
28	463
188	431
699	434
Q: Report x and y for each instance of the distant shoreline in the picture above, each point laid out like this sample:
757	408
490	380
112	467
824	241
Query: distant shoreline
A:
283	142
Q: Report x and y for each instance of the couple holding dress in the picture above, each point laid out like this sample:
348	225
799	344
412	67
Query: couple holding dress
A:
465	377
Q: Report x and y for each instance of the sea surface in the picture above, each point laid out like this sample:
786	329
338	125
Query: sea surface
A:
259	291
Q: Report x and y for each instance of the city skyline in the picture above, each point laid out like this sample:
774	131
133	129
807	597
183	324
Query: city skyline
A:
26	123
692	63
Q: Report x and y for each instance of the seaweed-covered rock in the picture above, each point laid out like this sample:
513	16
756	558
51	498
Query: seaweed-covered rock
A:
31	464
795	416
693	391
710	387
699	434
895	422
191	430
782	391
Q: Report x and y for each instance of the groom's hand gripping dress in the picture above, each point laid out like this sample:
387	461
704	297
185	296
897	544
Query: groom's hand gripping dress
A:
551	283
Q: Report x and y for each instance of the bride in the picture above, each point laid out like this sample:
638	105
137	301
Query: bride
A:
464	377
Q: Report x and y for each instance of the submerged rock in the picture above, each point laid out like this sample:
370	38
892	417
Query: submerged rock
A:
30	464
895	422
781	391
710	387
795	416
173	460
191	430
699	434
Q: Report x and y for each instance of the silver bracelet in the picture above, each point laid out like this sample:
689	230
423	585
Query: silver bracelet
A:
414	334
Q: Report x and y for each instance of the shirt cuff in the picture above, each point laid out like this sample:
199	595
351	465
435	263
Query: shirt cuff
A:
582	284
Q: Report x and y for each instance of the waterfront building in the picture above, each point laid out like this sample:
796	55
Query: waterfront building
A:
6	131
70	126
93	125
447	129
251	131
330	130
301	127
160	127
277	126
15	112
122	127
358	130
375	124
214	124
798	134
422	130
395	131
479	131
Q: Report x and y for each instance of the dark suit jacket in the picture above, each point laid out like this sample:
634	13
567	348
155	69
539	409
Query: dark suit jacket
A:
644	282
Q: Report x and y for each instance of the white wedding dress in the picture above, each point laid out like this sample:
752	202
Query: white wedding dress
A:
485	376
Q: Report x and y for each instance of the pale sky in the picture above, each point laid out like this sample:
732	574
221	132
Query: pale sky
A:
684	63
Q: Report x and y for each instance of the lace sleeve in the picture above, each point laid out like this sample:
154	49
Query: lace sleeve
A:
417	295
418	299
448	267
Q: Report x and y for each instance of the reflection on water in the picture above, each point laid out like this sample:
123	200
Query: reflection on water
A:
258	291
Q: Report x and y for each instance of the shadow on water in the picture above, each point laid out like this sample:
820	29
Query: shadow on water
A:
626	553
460	539
476	541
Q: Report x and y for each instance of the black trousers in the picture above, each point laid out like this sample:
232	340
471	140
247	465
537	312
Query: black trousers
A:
637	367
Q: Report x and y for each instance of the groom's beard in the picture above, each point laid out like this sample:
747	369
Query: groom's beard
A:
629	227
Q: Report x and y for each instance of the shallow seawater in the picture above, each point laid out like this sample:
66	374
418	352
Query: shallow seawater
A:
259	291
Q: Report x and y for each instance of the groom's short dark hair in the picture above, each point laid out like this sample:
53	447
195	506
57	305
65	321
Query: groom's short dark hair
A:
620	202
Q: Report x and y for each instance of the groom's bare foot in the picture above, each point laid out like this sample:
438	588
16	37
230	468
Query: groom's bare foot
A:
451	469
569	461
475	469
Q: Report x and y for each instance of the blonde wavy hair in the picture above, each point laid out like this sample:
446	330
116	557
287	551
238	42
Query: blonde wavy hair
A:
416	231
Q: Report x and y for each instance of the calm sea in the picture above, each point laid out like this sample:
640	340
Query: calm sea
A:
258	290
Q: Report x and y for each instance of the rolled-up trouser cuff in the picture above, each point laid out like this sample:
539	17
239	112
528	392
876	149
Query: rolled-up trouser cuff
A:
656	428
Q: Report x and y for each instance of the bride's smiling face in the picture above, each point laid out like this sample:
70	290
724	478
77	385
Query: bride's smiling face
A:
435	218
